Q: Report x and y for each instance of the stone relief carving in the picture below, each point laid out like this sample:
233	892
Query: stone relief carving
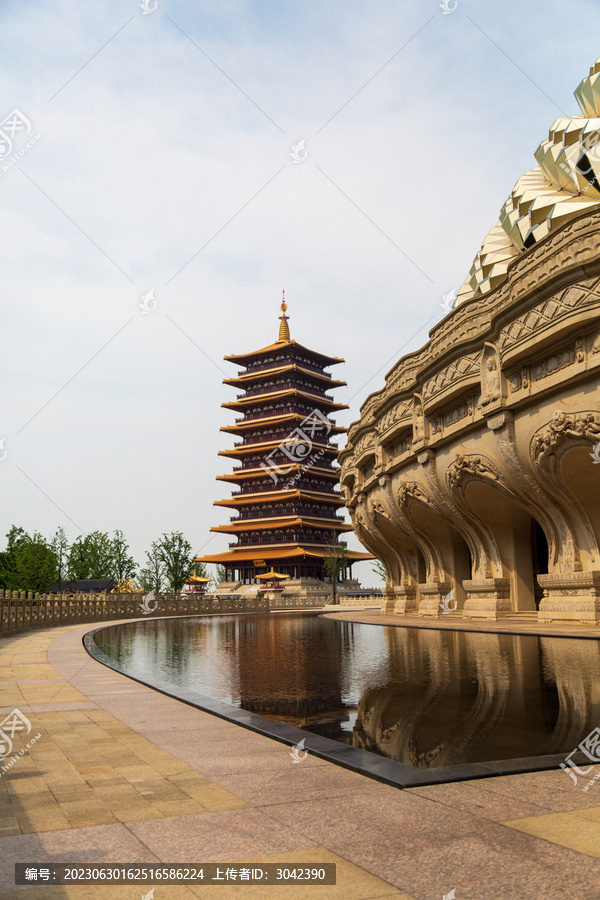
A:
366	441
578	427
491	386
512	317
397	412
553	364
547	312
515	382
470	467
518	381
399	446
449	417
410	491
418	419
379	508
460	368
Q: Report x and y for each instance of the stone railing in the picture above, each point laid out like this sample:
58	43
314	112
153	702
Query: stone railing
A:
375	600
20	611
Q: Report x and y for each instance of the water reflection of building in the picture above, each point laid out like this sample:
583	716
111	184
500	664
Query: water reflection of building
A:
291	669
451	697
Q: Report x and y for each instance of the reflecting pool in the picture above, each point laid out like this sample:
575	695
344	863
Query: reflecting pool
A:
425	698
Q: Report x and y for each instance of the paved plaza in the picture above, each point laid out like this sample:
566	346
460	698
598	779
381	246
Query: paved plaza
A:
123	774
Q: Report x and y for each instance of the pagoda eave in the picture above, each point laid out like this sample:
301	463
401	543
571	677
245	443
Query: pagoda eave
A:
277	552
247	377
243	402
249	358
266	447
272	524
243	427
243	474
273	496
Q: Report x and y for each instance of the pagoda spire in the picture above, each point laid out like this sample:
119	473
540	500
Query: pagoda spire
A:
284	329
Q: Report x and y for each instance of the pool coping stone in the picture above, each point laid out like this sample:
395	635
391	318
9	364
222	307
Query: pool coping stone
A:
363	762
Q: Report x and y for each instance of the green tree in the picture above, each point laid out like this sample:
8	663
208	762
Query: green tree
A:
152	575
91	556
379	569
123	565
221	574
35	564
335	563
15	539
177	558
60	548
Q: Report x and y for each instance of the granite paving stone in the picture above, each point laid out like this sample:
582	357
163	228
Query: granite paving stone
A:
570	830
124	774
224	835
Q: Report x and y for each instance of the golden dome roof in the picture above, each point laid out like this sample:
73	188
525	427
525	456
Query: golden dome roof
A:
565	182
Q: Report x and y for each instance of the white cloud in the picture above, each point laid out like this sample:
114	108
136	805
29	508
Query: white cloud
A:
151	149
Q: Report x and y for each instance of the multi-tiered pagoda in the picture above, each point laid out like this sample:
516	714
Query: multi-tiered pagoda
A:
286	499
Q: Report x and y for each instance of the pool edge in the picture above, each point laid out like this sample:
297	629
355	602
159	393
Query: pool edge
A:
363	762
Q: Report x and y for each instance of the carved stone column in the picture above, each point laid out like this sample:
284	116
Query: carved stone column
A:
432	597
571	597
487	599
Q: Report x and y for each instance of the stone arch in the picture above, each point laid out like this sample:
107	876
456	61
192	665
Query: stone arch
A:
507	519
462	471
448	554
447	509
564	453
407	552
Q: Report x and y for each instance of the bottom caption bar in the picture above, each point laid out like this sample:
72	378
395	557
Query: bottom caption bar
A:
172	873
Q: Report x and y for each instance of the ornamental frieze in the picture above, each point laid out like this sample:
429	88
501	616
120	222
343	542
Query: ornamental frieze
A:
460	368
450	416
393	415
366	441
549	311
400	445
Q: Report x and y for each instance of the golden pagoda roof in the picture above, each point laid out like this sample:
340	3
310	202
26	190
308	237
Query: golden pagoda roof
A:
242	474
240	357
279	369
272	523
272	496
246	449
283	341
252	424
277	551
276	575
564	184
275	395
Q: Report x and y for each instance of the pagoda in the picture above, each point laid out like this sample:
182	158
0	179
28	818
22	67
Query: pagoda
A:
285	500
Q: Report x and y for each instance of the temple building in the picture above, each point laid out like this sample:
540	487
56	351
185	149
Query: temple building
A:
286	498
472	474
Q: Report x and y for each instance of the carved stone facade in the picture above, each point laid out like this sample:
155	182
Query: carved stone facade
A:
474	474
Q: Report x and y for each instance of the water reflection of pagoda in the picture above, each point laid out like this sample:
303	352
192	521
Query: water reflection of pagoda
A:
286	502
290	669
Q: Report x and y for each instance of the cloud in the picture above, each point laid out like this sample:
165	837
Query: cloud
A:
157	152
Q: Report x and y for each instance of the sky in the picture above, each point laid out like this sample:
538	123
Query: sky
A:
212	154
